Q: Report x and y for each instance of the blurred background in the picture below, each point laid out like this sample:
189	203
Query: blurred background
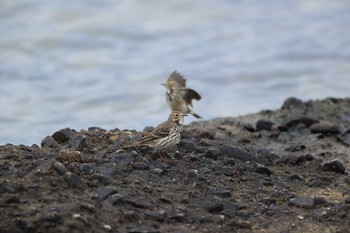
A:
100	63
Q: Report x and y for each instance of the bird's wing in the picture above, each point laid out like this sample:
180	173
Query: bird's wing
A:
161	130
178	78
189	94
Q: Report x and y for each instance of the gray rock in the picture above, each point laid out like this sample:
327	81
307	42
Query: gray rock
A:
119	158
293	103
334	166
49	142
212	153
64	135
140	202
307	203
74	180
237	153
105	192
140	166
325	127
115	199
107	169
143	229
261	169
59	168
78	143
264	125
157	215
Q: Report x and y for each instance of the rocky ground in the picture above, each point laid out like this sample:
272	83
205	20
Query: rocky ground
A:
274	171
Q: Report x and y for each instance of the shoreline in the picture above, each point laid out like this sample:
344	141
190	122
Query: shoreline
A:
281	170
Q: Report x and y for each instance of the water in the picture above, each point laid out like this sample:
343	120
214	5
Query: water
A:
100	63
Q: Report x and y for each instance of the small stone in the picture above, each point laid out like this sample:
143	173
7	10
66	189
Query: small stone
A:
105	192
334	166
220	193
144	229
107	169
261	169
70	156
325	127
187	144
307	121
140	166
155	215
237	153
44	167
74	180
293	103
248	127
78	143
296	177
212	153
307	203
59	168
64	135
85	168
347	200
148	129
140	202
264	125
215	207
320	213
115	199
121	158
49	142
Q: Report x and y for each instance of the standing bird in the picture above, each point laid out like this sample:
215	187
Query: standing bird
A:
178	96
165	135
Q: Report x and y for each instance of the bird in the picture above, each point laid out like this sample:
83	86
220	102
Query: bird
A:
166	134
178	96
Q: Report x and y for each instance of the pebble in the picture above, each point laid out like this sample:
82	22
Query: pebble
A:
107	169
115	199
264	125
293	103
49	142
105	192
215	206
59	168
212	153
237	153
187	144
140	202
261	169
307	203
74	180
157	215
119	158
140	166
334	166
64	135
325	127
143	229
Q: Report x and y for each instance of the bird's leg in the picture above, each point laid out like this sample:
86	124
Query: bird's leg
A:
163	156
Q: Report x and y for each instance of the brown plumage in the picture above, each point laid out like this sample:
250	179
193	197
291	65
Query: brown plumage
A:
178	96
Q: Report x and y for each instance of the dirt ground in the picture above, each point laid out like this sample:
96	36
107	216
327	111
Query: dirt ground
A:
275	171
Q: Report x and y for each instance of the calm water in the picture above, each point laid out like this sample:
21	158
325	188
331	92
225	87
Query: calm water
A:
100	63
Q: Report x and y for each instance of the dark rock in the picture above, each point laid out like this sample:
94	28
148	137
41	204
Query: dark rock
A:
105	192
49	142
89	207
241	224
321	213
119	158
148	129
293	103
264	125
248	127
295	177
74	180
306	121
295	148
155	215
237	153
140	166
292	159
143	229
347	200
215	206
95	128
78	143
64	135
220	193
115	199
319	181
187	144
307	203
212	153
262	170
334	166
44	168
85	168
325	127
107	169
59	168
70	156
140	202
